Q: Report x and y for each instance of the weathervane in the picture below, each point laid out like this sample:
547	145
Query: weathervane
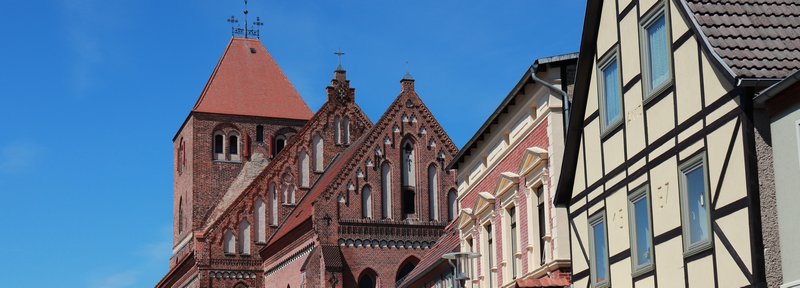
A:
247	32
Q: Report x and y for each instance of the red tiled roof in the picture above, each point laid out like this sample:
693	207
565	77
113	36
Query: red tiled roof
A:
247	81
543	282
755	38
446	243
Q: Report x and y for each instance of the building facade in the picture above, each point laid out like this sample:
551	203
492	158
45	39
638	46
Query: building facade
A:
505	177
661	174
268	194
781	108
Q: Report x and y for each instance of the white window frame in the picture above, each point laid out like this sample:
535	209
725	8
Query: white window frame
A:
642	193
688	165
659	10
611	57
593	220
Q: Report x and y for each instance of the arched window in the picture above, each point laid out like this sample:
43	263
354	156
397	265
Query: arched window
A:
452	207
304	167
346	130
337	130
409	179
260	134
180	215
230	242
233	147
280	142
288	194
366	281
433	192
386	190
319	154
244	237
406	268
366	202
219	146
261	220
273	195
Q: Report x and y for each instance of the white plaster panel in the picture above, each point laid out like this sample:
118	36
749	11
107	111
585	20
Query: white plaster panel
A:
617	213
687	81
669	263
735	228
665	196
581	231
593	159
621	273
634	119
734	184
660	118
647	282
614	151
714	81
701	272
629	43
679	26
607	34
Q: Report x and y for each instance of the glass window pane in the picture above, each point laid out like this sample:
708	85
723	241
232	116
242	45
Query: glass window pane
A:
611	93
657	46
696	204
600	257
642	222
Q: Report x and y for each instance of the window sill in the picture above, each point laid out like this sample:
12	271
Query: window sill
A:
228	254
228	161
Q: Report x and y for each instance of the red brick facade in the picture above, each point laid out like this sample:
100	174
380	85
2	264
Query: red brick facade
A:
307	226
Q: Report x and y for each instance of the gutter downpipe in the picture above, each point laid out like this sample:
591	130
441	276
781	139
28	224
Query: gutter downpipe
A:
564	96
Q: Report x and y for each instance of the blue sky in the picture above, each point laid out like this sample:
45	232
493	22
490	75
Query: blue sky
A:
93	91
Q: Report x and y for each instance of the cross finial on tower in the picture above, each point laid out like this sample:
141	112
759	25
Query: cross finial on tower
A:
408	73
246	32
339	53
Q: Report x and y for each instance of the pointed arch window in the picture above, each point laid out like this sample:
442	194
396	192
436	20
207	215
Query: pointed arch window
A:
219	146
337	131
244	237
280	142
346	130
433	192
319	154
229	242
273	194
408	176
261	220
233	148
386	190
180	215
366	203
452	207
304	170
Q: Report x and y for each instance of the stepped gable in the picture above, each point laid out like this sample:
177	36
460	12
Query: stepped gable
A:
345	165
754	38
285	162
248	82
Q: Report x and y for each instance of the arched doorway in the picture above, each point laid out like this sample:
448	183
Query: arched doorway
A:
406	268
366	281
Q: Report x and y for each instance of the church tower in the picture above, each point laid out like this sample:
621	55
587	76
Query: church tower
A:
245	115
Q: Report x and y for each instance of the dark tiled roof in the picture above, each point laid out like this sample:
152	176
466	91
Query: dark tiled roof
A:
333	257
755	38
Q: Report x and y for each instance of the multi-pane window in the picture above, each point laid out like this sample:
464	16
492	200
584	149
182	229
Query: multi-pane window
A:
542	225
599	251
641	235
655	52
695	211
512	217
610	92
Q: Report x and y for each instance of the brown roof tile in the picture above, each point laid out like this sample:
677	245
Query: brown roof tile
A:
755	38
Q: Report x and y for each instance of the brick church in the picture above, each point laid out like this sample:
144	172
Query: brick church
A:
269	194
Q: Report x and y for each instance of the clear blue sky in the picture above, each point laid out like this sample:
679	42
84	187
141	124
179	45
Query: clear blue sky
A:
92	92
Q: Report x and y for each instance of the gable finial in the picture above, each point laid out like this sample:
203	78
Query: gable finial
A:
246	32
339	53
408	73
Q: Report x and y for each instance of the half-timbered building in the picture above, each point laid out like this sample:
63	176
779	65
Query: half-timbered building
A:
660	173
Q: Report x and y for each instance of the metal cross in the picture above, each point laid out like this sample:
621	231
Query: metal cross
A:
247	32
339	53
